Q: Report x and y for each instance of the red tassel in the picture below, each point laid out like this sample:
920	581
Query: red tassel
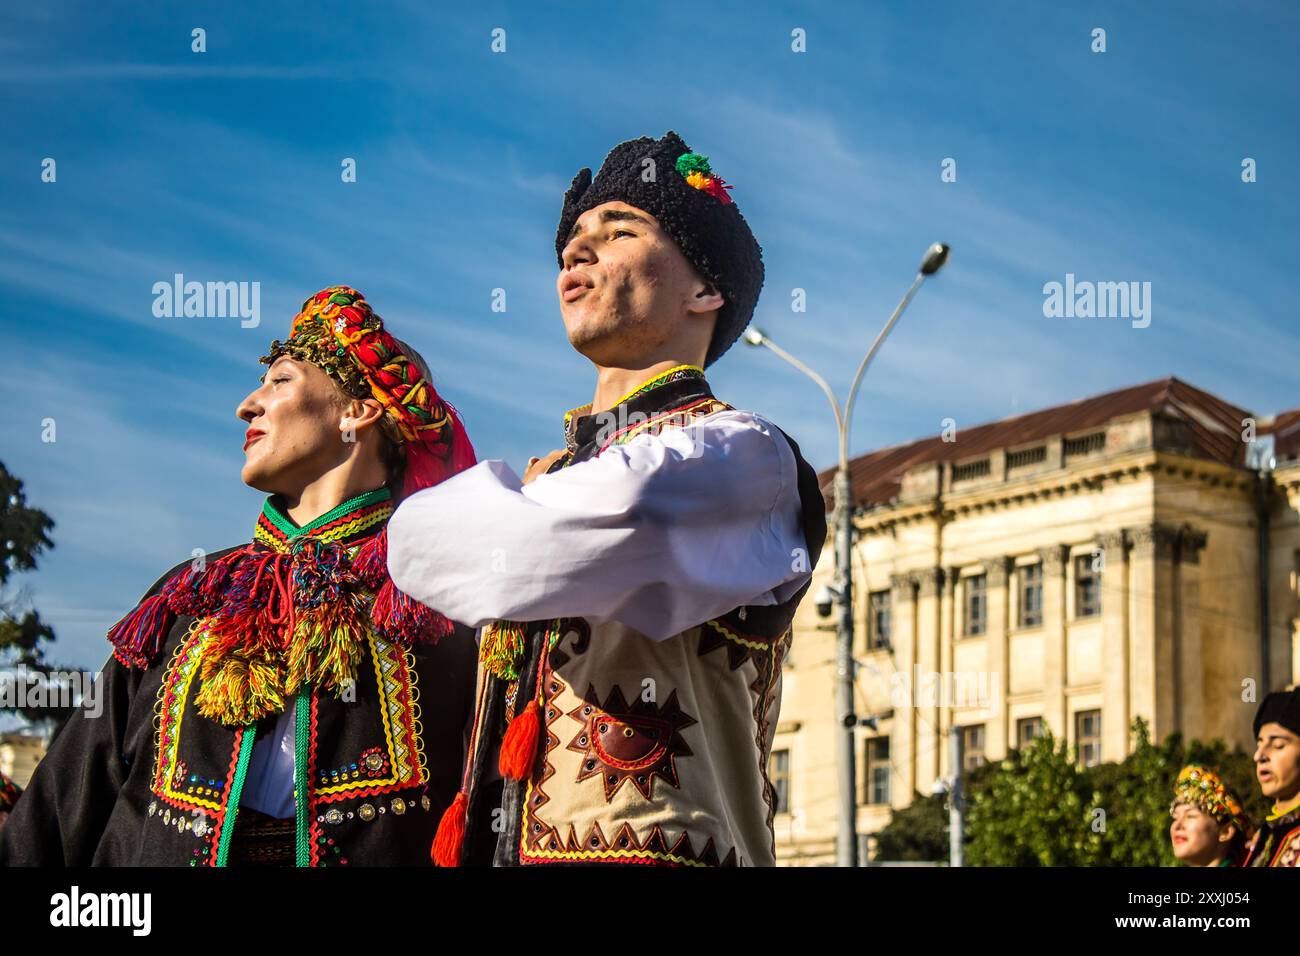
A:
213	587
519	746
400	617
371	561
138	638
197	593
449	841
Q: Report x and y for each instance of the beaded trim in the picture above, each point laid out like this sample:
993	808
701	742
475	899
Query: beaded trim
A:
401	763
673	418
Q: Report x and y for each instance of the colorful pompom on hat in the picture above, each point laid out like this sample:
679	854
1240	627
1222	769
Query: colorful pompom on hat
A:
1201	787
690	201
337	331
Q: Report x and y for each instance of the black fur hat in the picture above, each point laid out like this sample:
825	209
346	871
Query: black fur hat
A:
1280	707
691	203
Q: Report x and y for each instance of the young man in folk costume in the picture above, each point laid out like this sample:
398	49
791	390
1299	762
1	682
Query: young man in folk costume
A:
638	583
282	702
1277	767
1209	823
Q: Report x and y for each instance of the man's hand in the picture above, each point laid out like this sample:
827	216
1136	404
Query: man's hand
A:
539	466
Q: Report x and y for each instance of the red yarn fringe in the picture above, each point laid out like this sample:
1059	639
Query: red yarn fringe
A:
138	638
400	617
371	561
197	593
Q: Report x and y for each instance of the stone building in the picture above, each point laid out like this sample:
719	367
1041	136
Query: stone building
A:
19	755
1129	555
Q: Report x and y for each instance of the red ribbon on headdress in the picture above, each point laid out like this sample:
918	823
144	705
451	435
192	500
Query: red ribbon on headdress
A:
425	468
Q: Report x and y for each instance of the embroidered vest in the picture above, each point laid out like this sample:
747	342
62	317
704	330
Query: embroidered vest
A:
306	614
648	752
1277	842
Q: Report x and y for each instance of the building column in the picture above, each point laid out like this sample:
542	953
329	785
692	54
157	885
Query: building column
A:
928	632
1154	675
1189	714
1054	660
902	740
997	656
1115	672
947	656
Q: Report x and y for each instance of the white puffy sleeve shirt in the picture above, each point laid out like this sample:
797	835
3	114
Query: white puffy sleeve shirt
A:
662	533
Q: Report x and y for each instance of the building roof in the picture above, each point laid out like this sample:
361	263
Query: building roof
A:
1285	429
1215	427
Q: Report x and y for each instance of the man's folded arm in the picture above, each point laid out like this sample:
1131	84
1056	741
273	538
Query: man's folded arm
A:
660	534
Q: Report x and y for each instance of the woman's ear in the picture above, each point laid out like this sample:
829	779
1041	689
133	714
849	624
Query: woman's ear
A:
359	413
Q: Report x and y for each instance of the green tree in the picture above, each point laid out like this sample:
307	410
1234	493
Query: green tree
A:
1129	804
1039	808
1031	811
24	637
918	832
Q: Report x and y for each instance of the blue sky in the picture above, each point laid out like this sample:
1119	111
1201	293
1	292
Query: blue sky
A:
225	166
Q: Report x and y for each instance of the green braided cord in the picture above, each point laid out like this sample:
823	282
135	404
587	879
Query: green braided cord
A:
236	791
302	722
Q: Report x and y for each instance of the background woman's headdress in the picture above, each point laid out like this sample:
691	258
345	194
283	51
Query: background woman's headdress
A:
1201	787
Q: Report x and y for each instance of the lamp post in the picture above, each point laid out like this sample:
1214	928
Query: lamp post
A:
846	846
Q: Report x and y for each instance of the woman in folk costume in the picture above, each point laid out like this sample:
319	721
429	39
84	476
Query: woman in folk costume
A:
281	702
9	794
640	582
1209	824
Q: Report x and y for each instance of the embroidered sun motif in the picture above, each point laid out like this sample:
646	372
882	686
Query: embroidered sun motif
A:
621	742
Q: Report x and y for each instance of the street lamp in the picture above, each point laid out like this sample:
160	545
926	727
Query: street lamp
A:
846	853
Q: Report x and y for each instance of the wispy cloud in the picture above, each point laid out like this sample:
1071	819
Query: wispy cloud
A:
80	72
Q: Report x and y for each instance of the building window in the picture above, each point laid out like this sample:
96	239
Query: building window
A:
1031	595
1087	586
1084	445
877	766
1028	729
1026	456
972	746
972	469
778	773
1087	737
977	603
878	620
